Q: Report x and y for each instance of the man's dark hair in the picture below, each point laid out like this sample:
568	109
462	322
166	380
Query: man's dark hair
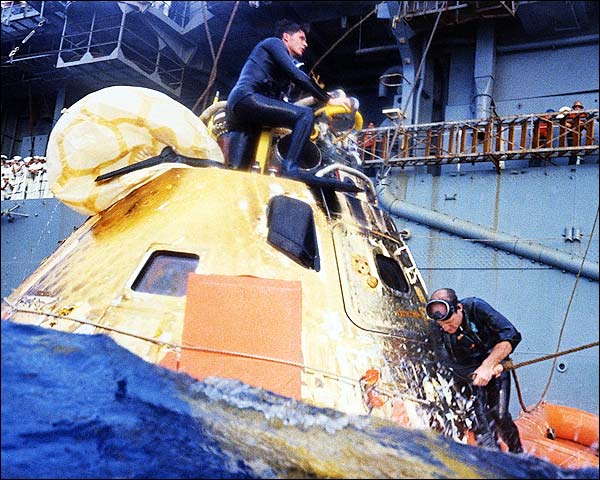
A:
285	26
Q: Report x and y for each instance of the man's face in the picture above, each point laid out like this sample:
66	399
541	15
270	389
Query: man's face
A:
449	325
295	43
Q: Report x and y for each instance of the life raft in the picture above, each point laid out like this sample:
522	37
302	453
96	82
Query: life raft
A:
563	435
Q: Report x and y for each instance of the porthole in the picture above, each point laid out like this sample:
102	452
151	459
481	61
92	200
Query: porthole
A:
292	230
166	273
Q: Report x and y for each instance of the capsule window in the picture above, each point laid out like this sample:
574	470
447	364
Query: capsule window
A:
292	230
166	273
358	212
391	273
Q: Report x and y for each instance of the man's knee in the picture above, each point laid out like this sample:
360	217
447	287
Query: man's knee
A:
304	115
304	122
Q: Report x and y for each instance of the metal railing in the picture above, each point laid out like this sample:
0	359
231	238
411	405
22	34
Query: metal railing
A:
531	136
101	39
178	12
457	11
15	10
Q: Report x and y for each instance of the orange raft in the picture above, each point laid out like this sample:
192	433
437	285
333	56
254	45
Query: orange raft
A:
565	436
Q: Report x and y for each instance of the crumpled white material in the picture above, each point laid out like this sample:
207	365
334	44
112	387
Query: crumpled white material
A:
113	128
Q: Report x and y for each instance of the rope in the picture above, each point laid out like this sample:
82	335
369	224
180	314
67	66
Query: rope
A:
177	348
387	391
543	395
213	73
339	40
207	30
216	59
509	365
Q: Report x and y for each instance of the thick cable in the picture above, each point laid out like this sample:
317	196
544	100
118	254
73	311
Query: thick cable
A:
213	73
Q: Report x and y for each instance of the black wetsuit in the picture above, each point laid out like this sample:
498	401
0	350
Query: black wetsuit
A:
481	329
257	101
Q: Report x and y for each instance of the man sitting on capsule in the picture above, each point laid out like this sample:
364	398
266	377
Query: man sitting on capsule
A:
257	98
477	338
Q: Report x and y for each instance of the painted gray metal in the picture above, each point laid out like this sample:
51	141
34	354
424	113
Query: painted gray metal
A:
31	231
469	230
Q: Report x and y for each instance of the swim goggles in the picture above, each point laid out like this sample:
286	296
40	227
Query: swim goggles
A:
439	310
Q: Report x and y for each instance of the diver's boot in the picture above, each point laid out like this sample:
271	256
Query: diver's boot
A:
510	434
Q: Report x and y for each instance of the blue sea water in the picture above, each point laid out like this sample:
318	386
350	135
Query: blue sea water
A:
79	406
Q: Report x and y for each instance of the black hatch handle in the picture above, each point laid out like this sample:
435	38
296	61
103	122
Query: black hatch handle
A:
168	155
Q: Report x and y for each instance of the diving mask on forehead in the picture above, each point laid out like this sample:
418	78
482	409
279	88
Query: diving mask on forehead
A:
439	310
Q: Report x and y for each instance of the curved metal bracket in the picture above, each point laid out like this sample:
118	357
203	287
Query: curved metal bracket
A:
371	193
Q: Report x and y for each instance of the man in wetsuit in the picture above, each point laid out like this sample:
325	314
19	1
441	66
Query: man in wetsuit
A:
477	338
257	99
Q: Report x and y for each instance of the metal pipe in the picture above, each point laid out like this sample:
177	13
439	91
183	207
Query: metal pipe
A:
383	48
91	32
59	104
383	88
485	64
532	250
567	42
421	81
403	32
345	168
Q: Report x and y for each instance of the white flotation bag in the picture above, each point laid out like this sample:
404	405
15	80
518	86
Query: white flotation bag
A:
113	128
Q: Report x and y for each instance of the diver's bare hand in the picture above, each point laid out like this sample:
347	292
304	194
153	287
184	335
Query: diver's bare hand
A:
482	376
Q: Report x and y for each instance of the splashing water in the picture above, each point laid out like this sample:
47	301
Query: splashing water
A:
78	406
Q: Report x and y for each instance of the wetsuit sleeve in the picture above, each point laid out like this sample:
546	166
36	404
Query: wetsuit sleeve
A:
497	322
283	60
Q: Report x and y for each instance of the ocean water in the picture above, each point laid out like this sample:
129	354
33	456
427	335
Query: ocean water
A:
79	406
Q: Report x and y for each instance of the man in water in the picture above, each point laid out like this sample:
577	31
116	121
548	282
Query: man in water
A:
257	99
477	338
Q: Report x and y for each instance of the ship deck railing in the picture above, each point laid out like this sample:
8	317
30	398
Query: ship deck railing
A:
453	13
495	140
